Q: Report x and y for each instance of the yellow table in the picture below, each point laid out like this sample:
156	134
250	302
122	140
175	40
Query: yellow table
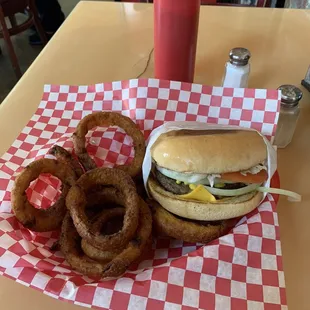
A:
107	41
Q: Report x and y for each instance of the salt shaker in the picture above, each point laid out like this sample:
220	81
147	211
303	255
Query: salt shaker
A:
237	68
289	113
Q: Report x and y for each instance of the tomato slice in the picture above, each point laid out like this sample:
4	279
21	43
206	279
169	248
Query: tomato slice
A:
260	177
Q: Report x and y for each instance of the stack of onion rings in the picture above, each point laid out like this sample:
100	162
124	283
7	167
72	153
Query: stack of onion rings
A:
109	119
90	199
97	260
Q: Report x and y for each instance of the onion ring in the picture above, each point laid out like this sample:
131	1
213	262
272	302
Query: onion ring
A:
168	224
95	253
101	198
70	243
63	156
140	186
109	119
135	247
76	203
39	219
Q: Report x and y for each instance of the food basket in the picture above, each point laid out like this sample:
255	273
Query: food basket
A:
240	270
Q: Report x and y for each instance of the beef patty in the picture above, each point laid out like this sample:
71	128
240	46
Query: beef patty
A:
170	185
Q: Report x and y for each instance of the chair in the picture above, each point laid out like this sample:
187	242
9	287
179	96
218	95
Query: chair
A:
8	8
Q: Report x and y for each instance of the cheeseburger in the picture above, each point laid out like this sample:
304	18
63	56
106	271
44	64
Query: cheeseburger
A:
208	175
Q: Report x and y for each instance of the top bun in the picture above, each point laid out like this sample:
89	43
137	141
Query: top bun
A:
217	151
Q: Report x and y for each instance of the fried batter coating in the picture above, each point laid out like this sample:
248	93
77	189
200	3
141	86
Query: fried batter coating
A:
65	157
170	225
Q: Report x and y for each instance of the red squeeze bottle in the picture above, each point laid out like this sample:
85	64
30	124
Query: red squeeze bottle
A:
175	36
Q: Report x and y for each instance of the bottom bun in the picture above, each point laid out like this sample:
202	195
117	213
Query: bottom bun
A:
223	209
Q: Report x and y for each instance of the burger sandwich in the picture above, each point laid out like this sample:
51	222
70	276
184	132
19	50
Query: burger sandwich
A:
209	175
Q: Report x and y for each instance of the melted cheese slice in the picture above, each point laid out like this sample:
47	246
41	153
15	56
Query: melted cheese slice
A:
199	193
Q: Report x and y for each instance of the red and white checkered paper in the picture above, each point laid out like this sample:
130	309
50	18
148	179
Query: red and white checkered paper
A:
241	270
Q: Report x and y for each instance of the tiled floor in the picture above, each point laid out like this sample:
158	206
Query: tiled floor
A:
25	53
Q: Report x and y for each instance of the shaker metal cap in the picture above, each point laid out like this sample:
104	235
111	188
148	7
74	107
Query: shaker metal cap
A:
290	95
239	56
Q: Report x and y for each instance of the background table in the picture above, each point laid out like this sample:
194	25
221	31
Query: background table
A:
107	41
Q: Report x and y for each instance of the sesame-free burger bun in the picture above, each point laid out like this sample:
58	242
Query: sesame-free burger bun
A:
219	151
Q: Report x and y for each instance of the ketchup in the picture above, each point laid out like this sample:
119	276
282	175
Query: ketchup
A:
175	35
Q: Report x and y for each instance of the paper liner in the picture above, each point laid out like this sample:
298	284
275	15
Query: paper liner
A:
241	270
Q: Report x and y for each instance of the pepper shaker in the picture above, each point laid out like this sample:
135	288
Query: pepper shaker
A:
237	69
289	113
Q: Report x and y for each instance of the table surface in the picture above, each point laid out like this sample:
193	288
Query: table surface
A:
102	42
